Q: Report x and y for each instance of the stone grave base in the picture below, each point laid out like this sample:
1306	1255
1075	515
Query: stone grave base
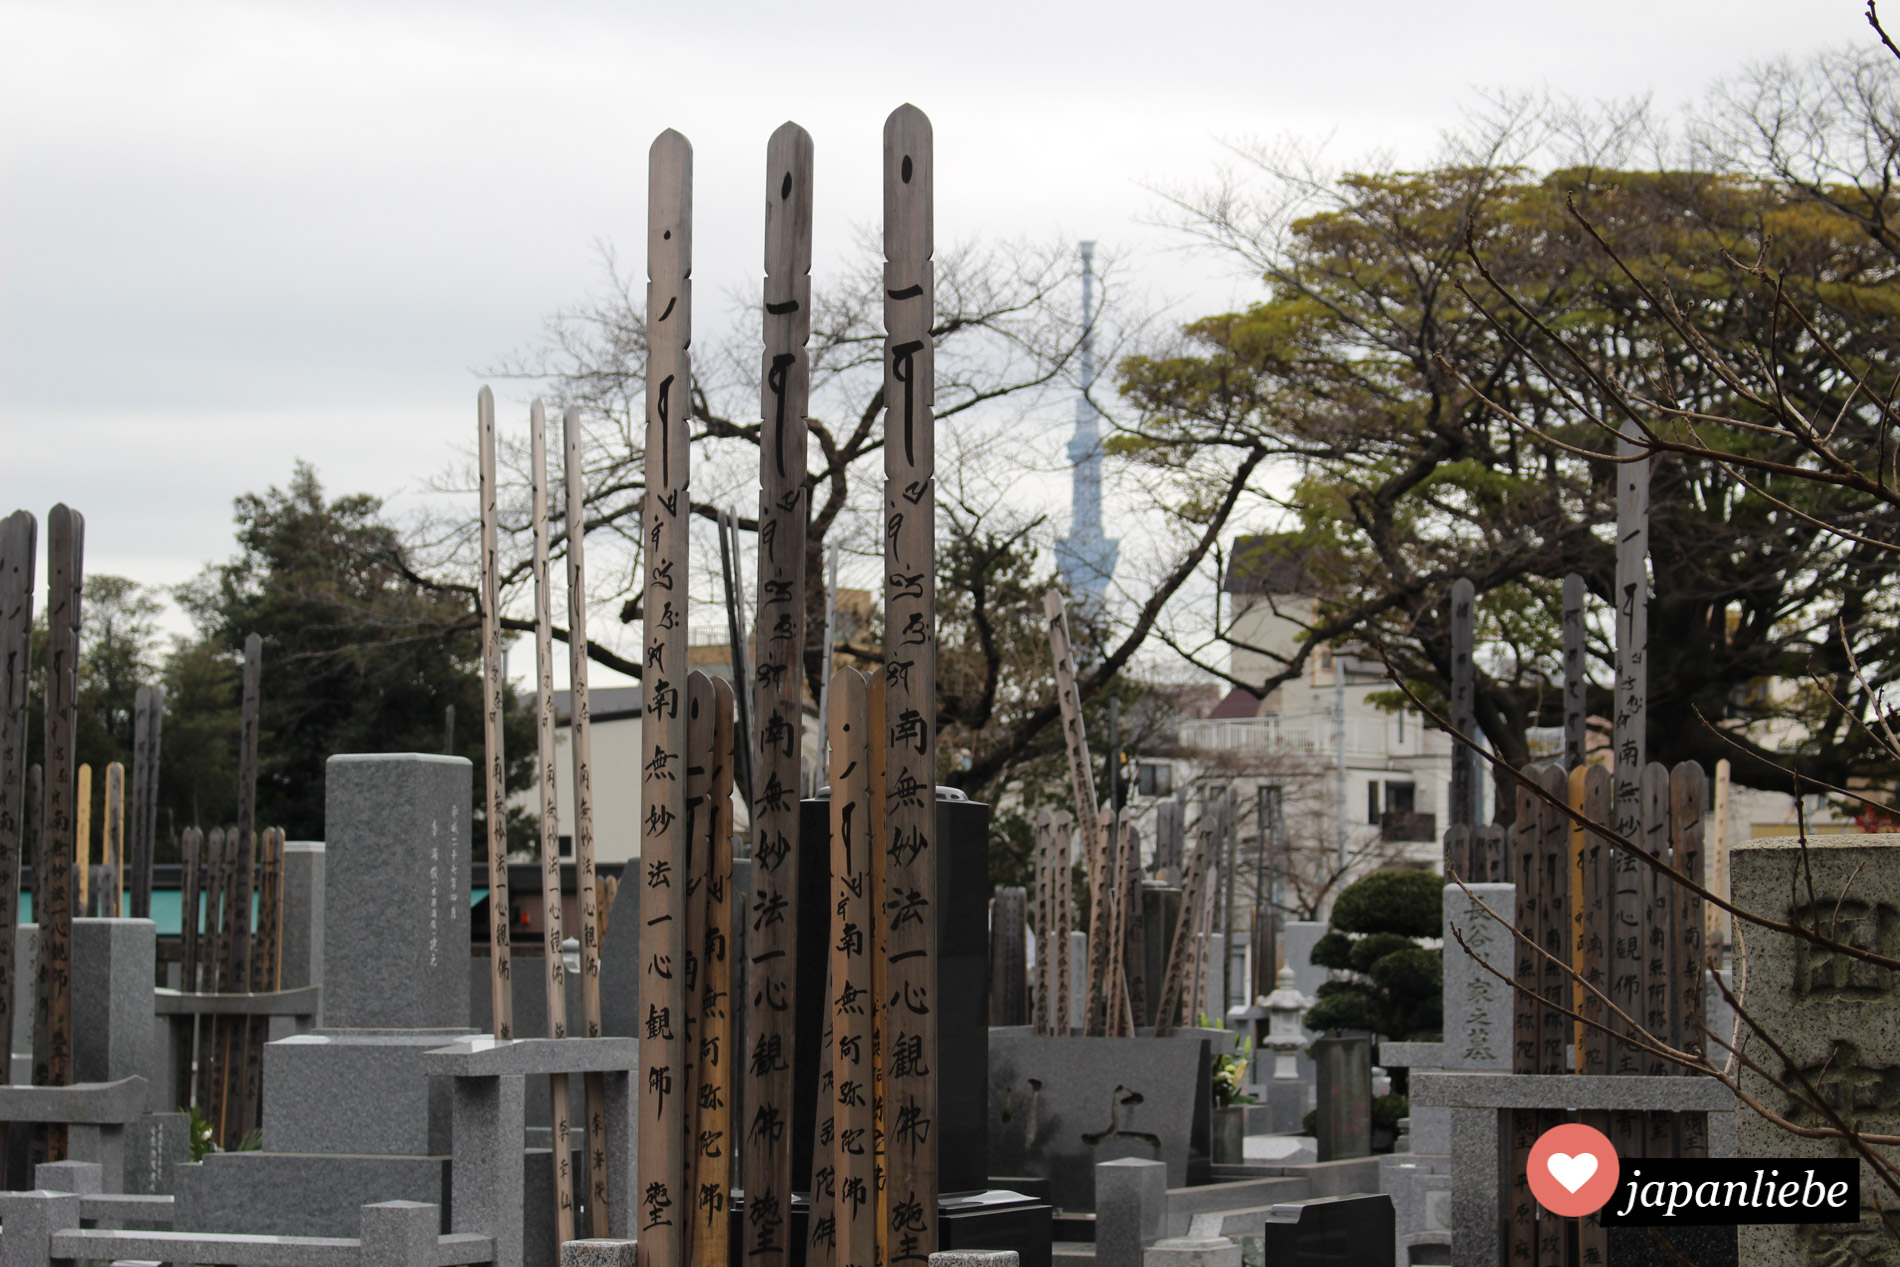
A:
301	1194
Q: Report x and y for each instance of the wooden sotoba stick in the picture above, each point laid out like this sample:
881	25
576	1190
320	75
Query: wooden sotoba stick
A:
247	1033
82	839
778	699
880	867
712	1136
853	838
148	728
1175	981
494	699
1042	1016
113	843
581	757
667	515
910	684
18	557
691	875
550	826
1082	783
52	1037
1064	914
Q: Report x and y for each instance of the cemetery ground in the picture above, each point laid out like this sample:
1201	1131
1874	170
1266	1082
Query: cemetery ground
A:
825	944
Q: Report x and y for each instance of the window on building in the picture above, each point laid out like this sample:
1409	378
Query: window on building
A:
1401	798
1372	800
566	846
1154	778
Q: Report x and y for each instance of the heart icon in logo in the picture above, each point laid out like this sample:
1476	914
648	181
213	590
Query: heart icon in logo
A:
1572	1172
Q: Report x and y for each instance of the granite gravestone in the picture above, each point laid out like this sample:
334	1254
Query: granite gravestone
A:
1344	1076
1477	1003
1059	1106
349	1116
1348	1231
1834	1016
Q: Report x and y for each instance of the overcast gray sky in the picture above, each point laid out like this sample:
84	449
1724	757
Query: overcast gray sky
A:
233	234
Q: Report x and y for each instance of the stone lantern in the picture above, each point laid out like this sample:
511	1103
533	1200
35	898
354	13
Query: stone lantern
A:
1284	1036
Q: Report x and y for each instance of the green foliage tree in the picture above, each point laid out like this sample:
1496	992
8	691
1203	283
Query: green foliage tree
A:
1396	985
359	656
1428	429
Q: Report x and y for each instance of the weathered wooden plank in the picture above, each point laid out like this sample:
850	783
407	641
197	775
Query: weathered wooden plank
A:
580	754
1082	785
879	756
1555	925
1134	932
821	1240
1176	979
52	1036
211	956
135	861
668	512
1658	962
1111	925
82	840
1576	681
494	702
1043	1016
191	890
778	697
853	838
1464	717
1688	801
712	1137
1526	846
910	675
1064	916
1592	795
112	903
18	558
1630	724
547	783
247	1033
692	874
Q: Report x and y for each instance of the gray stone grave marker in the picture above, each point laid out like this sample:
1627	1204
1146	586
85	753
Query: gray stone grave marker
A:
1832	1014
1344	1075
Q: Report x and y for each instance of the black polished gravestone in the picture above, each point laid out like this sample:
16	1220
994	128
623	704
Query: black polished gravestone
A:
970	1216
1348	1231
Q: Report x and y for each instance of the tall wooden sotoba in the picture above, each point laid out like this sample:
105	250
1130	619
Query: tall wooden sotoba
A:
1064	905
136	857
1044	1015
1095	852
18	556
667	513
550	826
853	1049
1177	980
82	840
247	1033
778	699
495	788
581	758
53	890
910	682
113	842
711	1156
691	875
